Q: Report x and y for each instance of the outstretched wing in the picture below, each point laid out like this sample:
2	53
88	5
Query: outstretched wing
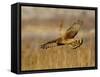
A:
73	43
49	44
72	31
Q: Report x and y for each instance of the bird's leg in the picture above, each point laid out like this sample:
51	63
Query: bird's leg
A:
74	43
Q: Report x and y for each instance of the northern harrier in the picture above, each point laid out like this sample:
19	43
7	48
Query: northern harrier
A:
68	38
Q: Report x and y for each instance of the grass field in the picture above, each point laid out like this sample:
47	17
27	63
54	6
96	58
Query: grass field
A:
57	57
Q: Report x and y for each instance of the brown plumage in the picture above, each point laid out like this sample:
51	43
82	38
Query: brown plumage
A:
67	38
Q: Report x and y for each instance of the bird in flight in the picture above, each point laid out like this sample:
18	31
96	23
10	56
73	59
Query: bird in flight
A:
67	38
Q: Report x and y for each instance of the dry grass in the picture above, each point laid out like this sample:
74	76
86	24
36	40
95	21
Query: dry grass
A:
57	57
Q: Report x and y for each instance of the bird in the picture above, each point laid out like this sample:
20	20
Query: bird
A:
67	38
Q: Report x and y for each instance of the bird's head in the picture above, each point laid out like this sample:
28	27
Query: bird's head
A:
76	25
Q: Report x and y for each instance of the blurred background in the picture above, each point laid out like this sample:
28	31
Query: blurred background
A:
40	25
